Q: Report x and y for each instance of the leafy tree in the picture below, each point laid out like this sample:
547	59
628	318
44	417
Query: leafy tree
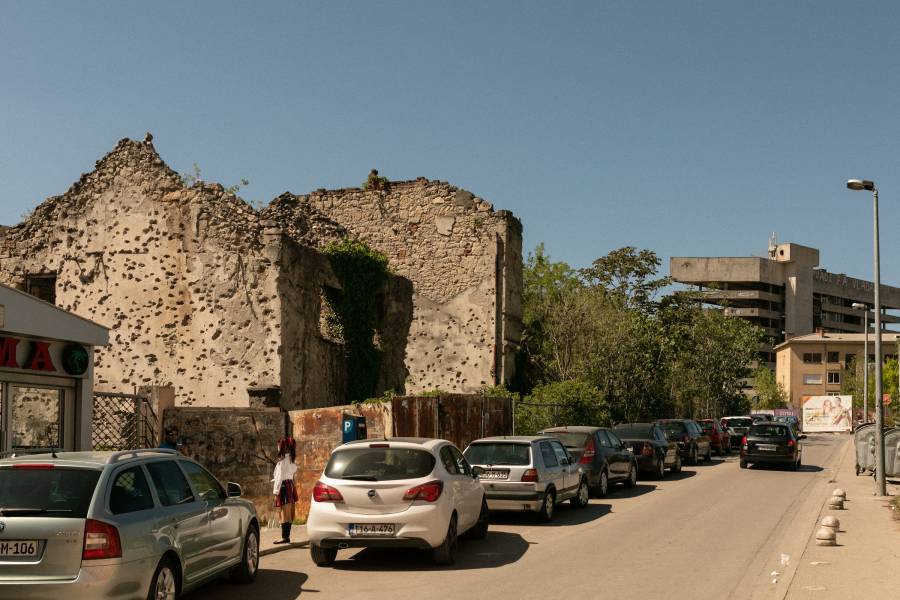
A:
771	393
561	403
629	277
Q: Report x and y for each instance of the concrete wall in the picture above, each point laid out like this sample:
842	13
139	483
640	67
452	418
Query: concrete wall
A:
465	264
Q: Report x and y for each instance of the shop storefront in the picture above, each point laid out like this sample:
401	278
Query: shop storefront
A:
46	374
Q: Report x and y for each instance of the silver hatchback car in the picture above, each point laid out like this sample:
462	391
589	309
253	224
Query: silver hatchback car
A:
123	525
528	473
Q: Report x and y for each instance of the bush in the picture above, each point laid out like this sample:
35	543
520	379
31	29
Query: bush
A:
561	403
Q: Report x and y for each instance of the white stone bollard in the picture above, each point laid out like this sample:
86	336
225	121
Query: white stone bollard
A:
836	503
826	536
839	492
831	523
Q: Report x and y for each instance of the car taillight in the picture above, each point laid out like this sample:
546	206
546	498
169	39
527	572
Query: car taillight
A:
101	540
589	452
326	493
647	450
790	443
530	475
429	492
744	441
686	439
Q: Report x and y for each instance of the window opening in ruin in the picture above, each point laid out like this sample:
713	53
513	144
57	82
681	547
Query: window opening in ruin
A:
42	286
330	326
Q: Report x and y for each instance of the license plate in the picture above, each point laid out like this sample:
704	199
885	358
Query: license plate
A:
371	529
766	447
495	475
19	548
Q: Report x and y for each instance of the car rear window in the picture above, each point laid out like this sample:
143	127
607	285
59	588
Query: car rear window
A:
767	430
569	439
379	464
743	422
47	492
515	455
671	427
633	431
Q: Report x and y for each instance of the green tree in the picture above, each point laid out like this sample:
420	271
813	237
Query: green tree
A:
629	277
771	393
561	403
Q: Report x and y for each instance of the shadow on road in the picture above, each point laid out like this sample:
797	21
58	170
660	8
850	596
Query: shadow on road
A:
565	515
270	584
679	476
779	467
496	550
623	492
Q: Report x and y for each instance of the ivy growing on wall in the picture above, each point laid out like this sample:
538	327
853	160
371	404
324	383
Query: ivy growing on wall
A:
356	310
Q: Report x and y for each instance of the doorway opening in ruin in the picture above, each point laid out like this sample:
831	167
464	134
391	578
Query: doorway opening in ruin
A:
42	285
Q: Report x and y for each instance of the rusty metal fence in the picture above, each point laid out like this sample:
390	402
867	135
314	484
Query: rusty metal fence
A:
123	422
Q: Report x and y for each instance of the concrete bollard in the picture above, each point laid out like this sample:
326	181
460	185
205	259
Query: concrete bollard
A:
826	536
836	503
831	523
839	492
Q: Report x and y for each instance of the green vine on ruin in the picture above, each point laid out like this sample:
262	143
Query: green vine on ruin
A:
356	311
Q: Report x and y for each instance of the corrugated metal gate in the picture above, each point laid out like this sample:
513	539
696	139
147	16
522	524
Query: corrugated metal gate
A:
458	418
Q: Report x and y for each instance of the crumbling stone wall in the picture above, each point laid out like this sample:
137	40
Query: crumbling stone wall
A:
189	279
464	261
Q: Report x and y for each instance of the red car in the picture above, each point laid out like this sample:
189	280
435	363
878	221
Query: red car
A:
719	439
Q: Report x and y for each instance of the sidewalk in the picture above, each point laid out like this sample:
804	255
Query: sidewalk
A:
268	537
864	563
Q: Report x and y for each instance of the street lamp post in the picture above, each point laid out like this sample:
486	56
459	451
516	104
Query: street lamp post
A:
881	484
865	308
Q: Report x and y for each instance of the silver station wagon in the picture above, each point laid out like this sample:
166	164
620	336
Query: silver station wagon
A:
134	524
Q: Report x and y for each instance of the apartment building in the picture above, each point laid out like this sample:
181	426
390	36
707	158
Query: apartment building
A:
785	293
814	364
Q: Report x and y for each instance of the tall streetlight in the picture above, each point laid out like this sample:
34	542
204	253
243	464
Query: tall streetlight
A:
881	484
863	307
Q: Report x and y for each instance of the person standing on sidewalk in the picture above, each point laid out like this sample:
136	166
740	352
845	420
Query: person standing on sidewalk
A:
284	489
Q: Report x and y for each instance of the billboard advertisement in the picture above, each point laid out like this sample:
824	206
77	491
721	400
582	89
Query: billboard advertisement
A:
826	413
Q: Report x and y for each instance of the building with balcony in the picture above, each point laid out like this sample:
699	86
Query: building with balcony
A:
785	293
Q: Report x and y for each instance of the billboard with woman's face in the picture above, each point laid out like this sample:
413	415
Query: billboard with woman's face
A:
827	413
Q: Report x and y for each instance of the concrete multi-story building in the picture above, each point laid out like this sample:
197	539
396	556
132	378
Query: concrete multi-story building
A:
815	364
785	293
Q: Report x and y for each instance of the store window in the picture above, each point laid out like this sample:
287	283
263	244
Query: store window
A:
35	417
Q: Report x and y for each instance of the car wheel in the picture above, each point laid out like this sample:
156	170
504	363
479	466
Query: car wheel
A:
708	456
677	467
480	529
632	477
603	488
245	572
797	465
581	499
445	554
547	506
743	464
695	457
661	467
164	585
322	557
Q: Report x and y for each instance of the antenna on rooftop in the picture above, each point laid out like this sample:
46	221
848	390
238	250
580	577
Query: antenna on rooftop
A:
773	244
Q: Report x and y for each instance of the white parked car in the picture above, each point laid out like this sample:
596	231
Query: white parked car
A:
401	492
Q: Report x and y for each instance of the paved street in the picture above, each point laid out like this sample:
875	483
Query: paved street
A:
714	531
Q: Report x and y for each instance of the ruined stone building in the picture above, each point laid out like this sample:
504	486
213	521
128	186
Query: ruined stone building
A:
206	294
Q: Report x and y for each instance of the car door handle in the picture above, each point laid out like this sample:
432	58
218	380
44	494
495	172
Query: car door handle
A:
218	513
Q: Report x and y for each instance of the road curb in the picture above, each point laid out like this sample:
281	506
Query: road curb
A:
282	548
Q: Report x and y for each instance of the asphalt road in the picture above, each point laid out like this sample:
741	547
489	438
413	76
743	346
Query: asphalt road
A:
713	531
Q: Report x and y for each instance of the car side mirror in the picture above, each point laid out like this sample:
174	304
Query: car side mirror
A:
477	471
234	490
802	436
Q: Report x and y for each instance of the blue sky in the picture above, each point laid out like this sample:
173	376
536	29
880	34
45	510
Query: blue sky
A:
691	128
